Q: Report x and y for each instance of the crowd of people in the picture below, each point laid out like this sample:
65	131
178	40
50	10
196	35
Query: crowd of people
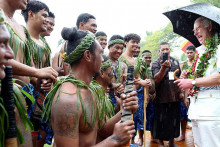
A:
77	97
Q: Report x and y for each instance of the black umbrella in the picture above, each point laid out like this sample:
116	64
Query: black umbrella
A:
183	19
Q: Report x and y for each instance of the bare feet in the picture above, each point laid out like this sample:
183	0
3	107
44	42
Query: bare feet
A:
180	138
161	144
154	140
188	126
139	142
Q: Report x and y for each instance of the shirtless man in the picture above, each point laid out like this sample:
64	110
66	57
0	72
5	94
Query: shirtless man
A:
5	51
115	46
20	61
50	24
77	124
131	42
36	21
85	21
102	38
184	103
5	54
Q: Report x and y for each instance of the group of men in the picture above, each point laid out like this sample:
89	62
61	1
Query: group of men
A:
85	104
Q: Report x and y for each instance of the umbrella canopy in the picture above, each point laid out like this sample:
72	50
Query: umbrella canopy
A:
183	19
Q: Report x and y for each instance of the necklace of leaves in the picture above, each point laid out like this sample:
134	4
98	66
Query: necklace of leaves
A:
103	105
211	47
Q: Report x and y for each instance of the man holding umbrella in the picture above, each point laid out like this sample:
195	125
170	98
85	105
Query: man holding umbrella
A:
203	80
205	86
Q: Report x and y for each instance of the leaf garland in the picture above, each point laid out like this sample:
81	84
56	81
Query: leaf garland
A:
17	44
211	45
4	123
39	52
103	106
141	69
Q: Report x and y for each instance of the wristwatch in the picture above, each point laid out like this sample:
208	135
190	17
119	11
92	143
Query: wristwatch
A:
193	82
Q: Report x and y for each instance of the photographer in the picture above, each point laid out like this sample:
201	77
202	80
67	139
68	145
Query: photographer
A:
166	125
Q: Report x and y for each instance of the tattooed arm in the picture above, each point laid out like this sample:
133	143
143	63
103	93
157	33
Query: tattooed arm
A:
66	121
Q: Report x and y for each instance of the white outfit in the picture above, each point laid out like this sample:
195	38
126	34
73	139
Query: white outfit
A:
205	112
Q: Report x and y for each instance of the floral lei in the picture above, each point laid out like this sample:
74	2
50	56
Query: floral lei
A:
211	47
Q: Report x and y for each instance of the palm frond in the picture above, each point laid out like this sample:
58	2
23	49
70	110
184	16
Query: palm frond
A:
17	44
103	107
4	122
38	52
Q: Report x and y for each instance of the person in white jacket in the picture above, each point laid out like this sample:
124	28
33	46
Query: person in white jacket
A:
204	110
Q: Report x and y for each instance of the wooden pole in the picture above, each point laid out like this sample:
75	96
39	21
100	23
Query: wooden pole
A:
146	98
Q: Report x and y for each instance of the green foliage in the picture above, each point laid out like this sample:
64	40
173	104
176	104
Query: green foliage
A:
60	42
183	57
213	2
103	106
153	40
4	122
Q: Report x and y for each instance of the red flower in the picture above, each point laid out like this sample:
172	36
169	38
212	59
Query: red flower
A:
207	55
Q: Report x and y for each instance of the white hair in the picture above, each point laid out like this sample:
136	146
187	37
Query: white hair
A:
205	21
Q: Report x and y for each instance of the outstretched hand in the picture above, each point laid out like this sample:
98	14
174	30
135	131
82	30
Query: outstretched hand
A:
47	73
184	83
130	102
165	64
145	83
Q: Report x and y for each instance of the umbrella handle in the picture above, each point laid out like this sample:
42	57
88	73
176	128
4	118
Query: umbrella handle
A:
174	74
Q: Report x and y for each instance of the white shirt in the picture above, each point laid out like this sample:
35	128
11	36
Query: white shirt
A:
207	105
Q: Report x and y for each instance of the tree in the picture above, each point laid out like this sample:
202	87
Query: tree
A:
213	2
153	40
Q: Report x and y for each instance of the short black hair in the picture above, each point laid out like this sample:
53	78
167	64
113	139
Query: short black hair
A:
74	37
191	47
146	51
132	36
100	33
34	6
84	17
115	37
51	14
163	43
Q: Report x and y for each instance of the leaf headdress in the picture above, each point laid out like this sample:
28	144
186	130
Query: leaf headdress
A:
102	108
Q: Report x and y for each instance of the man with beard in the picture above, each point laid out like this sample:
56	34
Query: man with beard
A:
105	75
102	38
78	109
85	21
204	85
